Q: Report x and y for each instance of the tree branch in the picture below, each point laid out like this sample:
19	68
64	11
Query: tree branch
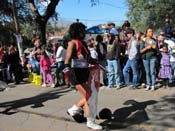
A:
50	9
34	9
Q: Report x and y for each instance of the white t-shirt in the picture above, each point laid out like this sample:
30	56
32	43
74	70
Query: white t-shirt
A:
60	54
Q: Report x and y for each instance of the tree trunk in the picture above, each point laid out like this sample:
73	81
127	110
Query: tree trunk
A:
41	20
41	31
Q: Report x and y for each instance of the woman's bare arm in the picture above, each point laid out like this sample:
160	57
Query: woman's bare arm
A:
145	49
154	46
69	52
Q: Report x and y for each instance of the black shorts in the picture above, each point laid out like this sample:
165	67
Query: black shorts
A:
79	75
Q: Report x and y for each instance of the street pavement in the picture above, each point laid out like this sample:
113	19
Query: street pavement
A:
27	107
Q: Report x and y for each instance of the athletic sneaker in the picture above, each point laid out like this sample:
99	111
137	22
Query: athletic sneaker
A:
92	125
152	88
76	113
44	85
118	87
147	87
52	85
73	110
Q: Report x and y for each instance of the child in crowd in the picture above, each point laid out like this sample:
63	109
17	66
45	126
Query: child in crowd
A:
45	64
165	70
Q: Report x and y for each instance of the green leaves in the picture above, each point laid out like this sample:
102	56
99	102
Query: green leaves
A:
143	13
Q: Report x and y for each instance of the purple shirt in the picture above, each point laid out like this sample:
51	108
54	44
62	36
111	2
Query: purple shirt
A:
165	60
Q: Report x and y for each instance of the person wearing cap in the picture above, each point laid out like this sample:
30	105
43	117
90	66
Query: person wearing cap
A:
113	61
112	29
131	63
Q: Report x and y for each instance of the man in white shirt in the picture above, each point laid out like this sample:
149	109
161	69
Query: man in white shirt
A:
132	60
60	58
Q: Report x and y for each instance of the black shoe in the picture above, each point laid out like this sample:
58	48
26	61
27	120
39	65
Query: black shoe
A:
17	83
57	85
105	82
78	117
101	84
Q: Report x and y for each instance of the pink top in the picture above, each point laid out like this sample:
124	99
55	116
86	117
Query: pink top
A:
45	64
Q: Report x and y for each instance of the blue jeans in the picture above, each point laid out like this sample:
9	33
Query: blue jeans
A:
114	72
35	64
150	69
133	65
59	71
36	67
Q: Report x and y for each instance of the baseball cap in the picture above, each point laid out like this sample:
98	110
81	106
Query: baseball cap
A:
113	31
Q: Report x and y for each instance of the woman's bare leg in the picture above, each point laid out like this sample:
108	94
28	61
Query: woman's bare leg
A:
83	102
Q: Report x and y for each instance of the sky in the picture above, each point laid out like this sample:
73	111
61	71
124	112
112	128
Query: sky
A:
105	11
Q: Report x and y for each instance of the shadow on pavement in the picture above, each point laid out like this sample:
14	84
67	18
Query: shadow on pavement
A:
11	84
134	113
160	115
172	84
35	101
163	113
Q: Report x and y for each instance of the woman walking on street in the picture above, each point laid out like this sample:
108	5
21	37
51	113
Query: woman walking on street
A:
78	59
